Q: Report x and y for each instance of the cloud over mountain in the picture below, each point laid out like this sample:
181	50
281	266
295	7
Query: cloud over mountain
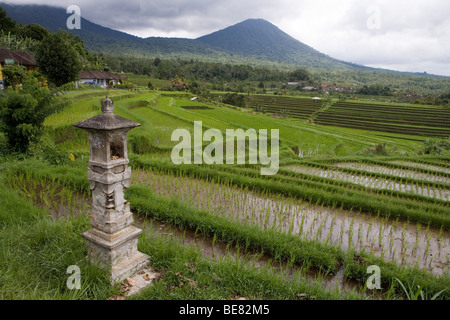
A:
411	35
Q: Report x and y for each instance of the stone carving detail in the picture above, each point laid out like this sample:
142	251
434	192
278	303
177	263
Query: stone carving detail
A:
113	240
110	201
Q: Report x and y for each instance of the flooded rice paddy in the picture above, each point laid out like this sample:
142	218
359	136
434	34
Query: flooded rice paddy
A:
402	173
401	242
422	166
379	182
62	203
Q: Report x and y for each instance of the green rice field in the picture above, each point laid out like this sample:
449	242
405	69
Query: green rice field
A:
354	189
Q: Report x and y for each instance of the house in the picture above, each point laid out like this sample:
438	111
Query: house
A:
98	77
308	88
22	58
316	99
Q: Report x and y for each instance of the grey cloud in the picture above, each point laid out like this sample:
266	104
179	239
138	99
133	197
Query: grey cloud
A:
167	15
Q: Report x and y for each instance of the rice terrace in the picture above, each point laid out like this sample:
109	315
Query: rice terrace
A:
358	206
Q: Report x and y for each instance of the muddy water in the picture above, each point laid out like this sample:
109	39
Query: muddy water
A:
400	242
374	182
421	165
402	173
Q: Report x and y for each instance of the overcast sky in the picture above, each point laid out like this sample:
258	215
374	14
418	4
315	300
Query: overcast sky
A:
405	35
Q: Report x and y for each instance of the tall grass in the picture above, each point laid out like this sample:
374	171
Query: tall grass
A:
36	252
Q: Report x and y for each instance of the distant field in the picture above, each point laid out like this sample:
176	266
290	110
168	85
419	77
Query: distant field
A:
414	120
426	121
301	108
142	80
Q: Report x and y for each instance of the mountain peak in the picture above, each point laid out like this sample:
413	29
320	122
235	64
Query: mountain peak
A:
244	31
258	38
255	21
262	40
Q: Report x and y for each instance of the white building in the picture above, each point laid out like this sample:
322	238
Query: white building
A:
98	78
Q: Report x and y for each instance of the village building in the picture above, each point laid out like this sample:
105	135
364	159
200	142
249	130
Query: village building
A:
10	57
99	78
21	58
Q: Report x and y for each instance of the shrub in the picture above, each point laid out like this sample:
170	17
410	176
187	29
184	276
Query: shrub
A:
234	99
14	75
435	147
377	150
23	113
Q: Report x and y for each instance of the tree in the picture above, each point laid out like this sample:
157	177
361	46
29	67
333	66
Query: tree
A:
58	59
33	31
23	113
6	23
156	62
14	75
234	99
300	75
194	88
376	89
95	62
13	42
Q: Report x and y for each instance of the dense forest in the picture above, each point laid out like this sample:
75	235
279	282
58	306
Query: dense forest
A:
200	70
411	88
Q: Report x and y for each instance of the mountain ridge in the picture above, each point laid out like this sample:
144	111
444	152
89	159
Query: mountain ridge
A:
261	39
252	39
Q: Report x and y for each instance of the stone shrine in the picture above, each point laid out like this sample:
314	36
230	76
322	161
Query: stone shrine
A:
113	239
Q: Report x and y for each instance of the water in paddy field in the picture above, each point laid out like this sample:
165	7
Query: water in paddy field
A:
218	250
379	182
401	242
61	205
402	173
422	166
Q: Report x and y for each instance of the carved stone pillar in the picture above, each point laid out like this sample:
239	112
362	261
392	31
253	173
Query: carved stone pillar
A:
113	239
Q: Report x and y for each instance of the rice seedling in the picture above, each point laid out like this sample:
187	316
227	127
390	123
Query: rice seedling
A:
350	233
301	224
380	234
